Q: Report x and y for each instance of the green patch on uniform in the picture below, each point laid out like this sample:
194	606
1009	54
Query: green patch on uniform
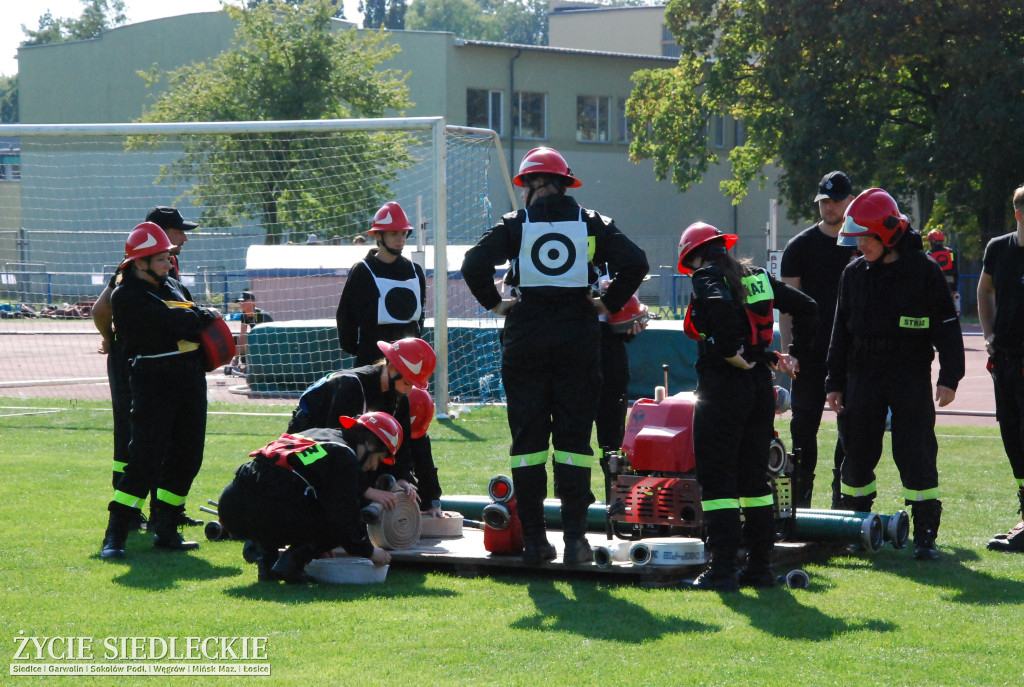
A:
914	322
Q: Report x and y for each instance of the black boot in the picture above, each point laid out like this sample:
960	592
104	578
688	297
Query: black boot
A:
291	565
759	540
804	488
268	554
185	521
121	521
837	494
572	487
723	542
163	522
1012	542
531	486
926	515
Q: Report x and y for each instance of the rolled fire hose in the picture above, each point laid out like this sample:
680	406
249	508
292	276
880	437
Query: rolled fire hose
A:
640	553
604	556
895	527
398	528
864	528
472	507
667	551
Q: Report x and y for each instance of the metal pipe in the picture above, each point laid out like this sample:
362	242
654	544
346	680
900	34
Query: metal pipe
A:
472	507
864	529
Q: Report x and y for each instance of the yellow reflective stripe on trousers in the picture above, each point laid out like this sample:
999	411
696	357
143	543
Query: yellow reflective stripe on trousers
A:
528	459
128	500
169	498
757	501
866	490
577	459
119	466
720	504
923	495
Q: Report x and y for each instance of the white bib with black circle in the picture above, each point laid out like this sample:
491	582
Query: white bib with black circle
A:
554	254
399	301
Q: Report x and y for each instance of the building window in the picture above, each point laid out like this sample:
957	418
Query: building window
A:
483	109
10	167
594	118
529	115
740	131
718	129
669	46
625	136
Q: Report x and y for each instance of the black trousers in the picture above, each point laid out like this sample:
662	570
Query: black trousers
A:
426	472
1008	380
732	431
121	405
550	366
168	427
868	398
610	423
808	404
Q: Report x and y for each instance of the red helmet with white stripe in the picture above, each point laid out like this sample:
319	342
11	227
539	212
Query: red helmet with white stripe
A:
382	426
545	161
633	311
144	240
873	213
698	234
390	217
421	412
413	358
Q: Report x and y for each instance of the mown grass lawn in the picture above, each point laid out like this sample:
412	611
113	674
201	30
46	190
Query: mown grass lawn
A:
865	620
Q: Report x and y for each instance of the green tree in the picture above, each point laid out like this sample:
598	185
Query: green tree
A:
338	5
286	63
97	17
383	14
921	98
9	99
510	21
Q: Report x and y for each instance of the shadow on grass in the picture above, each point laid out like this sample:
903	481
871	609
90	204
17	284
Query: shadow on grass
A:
458	429
621	621
400	585
779	613
952	572
158	570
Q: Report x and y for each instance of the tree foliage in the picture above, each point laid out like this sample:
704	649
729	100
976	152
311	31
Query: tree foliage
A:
9	99
286	63
512	21
338	5
97	17
922	98
383	14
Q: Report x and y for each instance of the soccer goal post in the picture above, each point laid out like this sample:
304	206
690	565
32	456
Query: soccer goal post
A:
282	208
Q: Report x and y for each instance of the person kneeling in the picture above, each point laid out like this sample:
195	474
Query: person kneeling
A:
305	491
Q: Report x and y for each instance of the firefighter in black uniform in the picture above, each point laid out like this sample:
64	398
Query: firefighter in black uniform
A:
894	311
384	295
947	261
305	491
1001	311
175	226
731	315
382	387
551	342
159	325
421	413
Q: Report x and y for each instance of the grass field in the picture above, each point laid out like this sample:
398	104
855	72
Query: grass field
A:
865	620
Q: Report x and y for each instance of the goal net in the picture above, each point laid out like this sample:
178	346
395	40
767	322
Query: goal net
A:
282	209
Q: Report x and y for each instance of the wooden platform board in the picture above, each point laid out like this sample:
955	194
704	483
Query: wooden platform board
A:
467	556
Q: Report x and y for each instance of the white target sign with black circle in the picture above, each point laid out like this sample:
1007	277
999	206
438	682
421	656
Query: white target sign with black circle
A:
399	301
553	254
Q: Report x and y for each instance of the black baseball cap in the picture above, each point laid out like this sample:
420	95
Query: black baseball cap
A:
169	218
246	296
834	185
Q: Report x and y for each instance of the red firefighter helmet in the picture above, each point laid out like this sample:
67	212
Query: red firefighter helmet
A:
633	311
936	235
382	426
698	234
421	412
873	213
413	358
144	240
545	161
390	217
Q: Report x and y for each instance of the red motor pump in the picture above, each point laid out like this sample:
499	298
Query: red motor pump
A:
503	534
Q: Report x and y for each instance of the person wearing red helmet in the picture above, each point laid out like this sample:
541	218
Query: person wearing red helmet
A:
893	312
305	491
946	259
158	325
731	316
812	263
383	387
550	363
384	294
1001	312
